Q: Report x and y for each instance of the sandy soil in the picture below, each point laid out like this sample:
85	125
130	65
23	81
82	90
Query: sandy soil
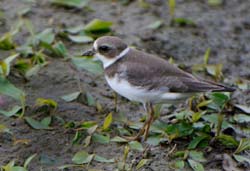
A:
224	29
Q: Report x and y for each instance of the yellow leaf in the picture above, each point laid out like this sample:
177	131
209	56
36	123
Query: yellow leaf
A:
3	68
171	5
107	121
49	102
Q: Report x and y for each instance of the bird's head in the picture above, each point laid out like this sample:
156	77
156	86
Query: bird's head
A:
107	49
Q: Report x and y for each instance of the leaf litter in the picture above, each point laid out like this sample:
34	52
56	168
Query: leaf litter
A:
194	126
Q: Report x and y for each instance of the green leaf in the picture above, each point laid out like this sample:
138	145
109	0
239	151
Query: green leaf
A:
103	160
72	96
182	115
88	124
155	25
33	71
241	159
97	26
71	3
47	36
118	139
135	145
88	65
154	141
46	121
196	166
23	65
90	99
80	39
9	89
107	121
179	130
204	103
60	50
227	140
219	99
183	22
35	124
28	160
242	118
197	156
196	116
6	42
18	168
195	142
213	118
179	164
100	138
141	164
82	157
11	112
75	29
243	145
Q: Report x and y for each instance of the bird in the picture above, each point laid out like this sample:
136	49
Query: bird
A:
146	78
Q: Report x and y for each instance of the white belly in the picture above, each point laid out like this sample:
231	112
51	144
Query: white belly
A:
124	88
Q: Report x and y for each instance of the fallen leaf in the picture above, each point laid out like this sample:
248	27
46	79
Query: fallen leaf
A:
141	163
71	3
243	108
118	139
196	166
88	65
107	121
71	97
155	25
80	39
11	112
103	160
135	145
35	124
82	157
103	139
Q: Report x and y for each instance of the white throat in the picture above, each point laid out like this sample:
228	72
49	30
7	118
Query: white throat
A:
109	61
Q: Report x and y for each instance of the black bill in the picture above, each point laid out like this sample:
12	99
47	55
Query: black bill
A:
90	52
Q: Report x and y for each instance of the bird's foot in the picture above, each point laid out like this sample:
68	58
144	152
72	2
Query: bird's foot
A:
136	137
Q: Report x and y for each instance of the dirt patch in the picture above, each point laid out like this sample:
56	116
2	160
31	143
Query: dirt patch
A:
224	29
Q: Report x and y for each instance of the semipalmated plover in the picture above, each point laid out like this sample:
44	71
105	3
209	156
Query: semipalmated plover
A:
146	78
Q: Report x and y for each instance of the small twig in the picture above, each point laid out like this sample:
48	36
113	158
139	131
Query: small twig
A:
172	150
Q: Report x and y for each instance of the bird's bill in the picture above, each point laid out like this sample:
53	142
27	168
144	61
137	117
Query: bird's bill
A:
90	52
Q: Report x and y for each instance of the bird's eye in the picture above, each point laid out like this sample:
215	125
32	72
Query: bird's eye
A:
104	48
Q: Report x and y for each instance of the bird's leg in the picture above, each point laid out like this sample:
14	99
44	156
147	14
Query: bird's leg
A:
150	113
149	109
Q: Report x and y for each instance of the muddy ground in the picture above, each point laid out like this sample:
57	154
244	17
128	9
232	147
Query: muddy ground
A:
225	29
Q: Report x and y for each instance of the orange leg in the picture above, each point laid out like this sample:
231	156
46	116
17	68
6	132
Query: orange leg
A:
145	128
